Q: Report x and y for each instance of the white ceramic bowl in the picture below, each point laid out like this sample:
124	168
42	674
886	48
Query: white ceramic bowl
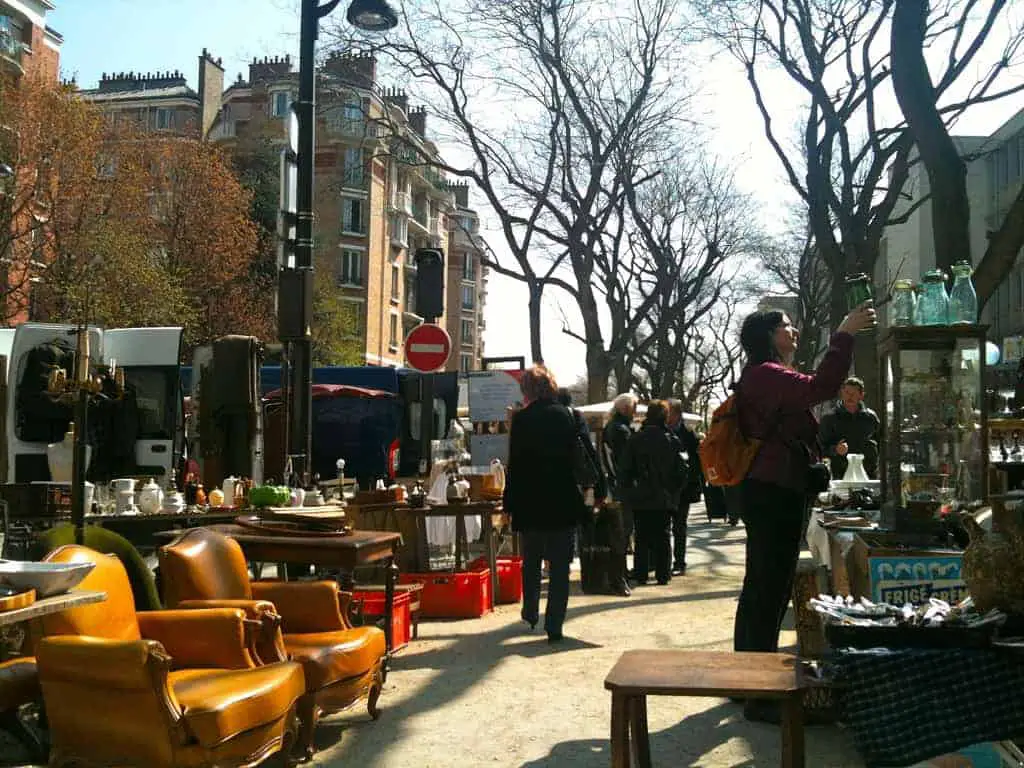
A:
47	579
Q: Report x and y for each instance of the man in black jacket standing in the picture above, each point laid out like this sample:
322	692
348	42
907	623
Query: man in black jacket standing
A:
652	475
851	428
614	439
694	486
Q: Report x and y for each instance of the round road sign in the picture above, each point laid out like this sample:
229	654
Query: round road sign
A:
427	347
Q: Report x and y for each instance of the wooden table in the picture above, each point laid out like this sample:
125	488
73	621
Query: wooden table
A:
642	673
141	530
345	553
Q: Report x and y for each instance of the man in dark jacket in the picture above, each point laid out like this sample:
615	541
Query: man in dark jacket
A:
851	428
694	485
614	438
652	475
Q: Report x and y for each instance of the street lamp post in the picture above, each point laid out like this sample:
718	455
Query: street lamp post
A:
295	313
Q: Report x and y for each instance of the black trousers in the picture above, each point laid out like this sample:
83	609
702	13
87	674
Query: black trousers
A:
652	539
773	517
679	520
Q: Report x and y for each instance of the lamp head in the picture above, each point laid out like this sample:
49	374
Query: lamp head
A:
6	171
372	15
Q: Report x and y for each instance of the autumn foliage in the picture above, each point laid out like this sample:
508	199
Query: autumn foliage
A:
103	222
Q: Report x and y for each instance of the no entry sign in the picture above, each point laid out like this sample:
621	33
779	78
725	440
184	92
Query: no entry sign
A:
427	347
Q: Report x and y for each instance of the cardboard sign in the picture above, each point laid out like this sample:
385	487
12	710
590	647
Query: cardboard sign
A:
491	393
915	579
484	448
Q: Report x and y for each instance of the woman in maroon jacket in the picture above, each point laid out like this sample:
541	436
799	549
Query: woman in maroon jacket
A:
774	403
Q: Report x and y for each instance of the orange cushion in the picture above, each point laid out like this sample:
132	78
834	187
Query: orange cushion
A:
328	657
221	703
19	683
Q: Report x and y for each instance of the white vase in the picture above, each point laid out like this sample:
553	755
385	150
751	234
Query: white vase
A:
855	469
60	457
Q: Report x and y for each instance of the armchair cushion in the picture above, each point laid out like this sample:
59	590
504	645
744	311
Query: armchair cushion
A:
203	564
328	657
19	683
304	606
221	703
208	638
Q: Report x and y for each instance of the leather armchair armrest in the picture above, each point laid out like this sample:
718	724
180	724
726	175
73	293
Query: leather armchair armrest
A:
305	606
266	643
99	662
348	606
205	638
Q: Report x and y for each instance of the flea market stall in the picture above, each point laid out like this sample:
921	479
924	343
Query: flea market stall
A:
925	566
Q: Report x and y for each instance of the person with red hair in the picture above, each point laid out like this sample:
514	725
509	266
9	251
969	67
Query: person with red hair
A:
542	497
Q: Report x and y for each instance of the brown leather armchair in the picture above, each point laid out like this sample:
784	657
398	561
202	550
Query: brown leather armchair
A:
307	620
159	688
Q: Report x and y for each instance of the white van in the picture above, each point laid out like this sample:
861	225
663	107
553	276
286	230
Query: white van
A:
150	359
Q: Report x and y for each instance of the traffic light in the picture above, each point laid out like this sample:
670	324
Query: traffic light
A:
429	283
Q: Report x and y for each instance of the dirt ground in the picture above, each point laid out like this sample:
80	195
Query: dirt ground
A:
487	692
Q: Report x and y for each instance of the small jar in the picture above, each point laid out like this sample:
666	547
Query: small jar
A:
858	290
903	303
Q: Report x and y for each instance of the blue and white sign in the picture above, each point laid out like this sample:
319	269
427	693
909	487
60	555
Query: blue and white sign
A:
899	580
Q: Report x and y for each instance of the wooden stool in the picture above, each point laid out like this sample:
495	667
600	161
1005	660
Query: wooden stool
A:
639	674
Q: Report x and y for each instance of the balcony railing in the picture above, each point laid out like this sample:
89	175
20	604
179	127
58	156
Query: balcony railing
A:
347	126
421	217
401	201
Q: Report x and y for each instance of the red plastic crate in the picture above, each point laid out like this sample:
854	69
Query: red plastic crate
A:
510	577
465	595
401	619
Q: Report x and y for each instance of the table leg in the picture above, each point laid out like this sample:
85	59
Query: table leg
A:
391	572
793	731
620	731
492	558
460	537
638	729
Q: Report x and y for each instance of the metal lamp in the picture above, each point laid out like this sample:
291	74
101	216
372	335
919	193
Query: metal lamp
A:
372	15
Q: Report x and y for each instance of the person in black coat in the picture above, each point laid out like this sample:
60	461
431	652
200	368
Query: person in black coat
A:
617	433
542	497
652	476
851	428
694	486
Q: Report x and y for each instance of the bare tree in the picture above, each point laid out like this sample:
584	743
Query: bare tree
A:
947	170
712	356
583	85
851	165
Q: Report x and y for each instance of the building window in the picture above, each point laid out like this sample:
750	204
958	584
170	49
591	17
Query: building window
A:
351	272
282	102
396	283
399	230
467	333
468	273
393	337
468	297
352	111
410	293
465	363
163	119
353	173
352	216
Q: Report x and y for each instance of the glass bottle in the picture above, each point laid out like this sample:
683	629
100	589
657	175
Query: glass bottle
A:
933	304
903	303
858	290
963	301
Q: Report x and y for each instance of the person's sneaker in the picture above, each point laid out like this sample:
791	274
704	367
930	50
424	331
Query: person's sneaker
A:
663	582
679	570
555	637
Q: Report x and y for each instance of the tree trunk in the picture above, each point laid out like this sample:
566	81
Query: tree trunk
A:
1003	246
536	293
598	371
947	172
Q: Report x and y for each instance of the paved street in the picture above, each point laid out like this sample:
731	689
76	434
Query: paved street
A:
486	692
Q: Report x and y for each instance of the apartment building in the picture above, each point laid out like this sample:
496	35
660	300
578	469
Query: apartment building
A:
378	198
995	170
28	47
467	284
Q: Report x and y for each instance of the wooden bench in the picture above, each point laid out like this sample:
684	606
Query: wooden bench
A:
639	674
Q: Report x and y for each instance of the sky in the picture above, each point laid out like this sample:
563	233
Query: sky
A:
156	35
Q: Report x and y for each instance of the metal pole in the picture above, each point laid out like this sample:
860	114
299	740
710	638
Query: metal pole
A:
78	460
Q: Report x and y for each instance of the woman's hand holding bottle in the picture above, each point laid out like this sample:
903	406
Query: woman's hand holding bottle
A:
859	319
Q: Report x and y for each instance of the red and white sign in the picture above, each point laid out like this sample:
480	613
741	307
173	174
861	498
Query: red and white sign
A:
427	347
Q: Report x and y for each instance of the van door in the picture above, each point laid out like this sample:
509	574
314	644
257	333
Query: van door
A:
26	434
151	358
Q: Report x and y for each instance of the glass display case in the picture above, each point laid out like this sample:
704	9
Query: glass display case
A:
934	426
